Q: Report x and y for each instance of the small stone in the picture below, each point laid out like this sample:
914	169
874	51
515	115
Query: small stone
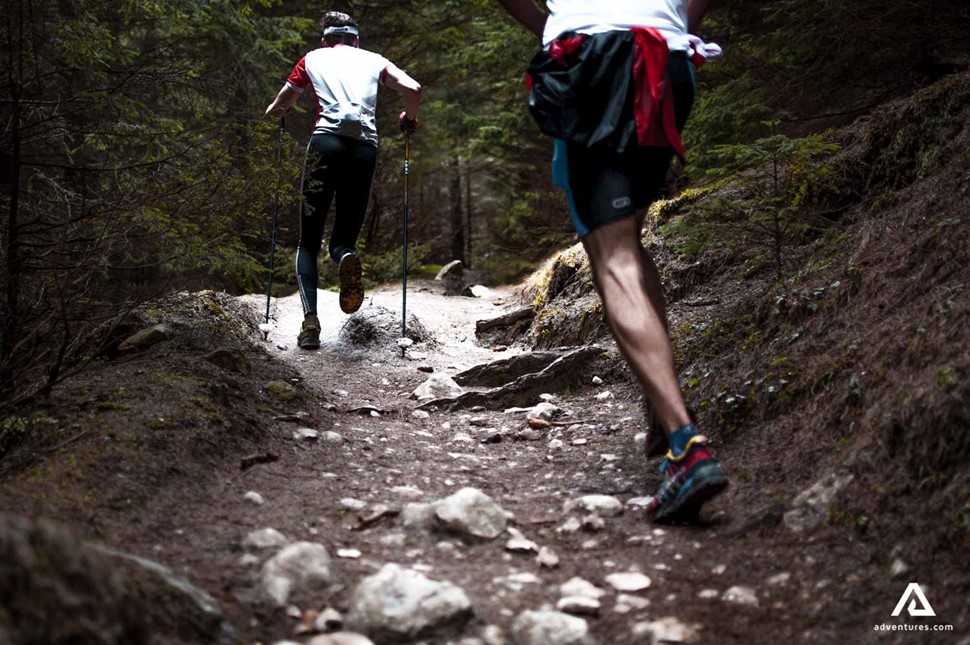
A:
640	443
281	391
601	505
719	569
417	516
302	566
555	444
231	360
547	558
420	414
570	526
738	595
898	568
331	437
578	587
628	582
548	398
404	343
438	386
519	543
529	434
707	594
350	554
479	422
407	491
294	612
597	380
779	579
604	395
665	630
580	442
545	411
579	606
352	504
341	638
811	507
633	602
427	369
268	538
306	434
593	522
471	512
249	560
550	628
254	497
329	620
639	502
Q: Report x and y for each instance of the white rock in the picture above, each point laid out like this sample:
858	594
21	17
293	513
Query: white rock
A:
550	628
417	516
719	569
633	602
548	398
411	492
268	538
547	558
254	497
738	595
471	512
438	386
493	635
570	526
604	395
579	606
329	620
420	414
398	604
518	543
707	594
545	411
301	566
812	505
305	434
352	504
630	581
555	444
640	443
349	554
331	437
779	579
582	441
249	560
665	630
639	502
340	638
601	505
577	587
404	343
898	568
597	380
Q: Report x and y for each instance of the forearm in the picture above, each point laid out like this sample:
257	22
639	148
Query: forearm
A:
283	101
407	87
527	13
695	14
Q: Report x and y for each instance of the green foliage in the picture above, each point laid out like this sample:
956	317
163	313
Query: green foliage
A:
766	203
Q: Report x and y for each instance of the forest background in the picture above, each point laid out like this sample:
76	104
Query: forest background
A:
134	158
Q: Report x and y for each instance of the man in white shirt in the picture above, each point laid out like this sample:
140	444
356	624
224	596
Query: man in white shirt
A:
341	156
614	144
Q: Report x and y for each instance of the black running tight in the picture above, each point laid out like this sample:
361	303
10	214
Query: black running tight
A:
335	166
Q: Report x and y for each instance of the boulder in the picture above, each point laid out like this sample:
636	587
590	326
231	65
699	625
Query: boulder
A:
550	628
471	513
299	567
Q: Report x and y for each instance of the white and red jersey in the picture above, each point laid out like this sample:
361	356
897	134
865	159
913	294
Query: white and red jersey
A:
344	80
669	17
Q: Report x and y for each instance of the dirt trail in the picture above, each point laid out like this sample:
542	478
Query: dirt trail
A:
691	568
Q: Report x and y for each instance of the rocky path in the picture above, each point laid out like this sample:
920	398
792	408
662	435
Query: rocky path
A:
477	526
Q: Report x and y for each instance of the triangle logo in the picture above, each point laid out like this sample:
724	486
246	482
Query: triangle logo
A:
924	609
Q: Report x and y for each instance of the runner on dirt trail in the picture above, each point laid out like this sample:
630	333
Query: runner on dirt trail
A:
616	132
341	156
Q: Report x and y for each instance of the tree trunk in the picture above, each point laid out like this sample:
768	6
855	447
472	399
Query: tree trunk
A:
467	222
456	215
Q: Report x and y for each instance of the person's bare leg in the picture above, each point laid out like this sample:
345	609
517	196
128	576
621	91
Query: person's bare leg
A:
633	301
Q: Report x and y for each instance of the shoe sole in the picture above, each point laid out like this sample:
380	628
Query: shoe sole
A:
309	343
351	285
706	484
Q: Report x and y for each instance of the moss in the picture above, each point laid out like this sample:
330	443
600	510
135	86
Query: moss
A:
109	406
281	391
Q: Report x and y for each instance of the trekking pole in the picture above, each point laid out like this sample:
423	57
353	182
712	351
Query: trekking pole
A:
404	265
266	327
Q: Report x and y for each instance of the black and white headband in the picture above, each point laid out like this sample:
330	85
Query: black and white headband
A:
344	29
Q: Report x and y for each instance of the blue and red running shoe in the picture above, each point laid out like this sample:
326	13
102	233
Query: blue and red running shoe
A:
690	479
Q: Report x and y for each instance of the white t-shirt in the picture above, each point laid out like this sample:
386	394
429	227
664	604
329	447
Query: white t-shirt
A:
345	81
669	17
